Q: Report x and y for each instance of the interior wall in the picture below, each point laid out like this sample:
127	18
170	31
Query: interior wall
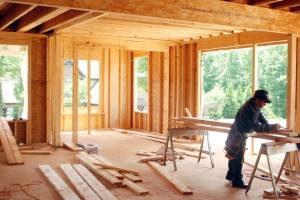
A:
36	124
117	66
183	80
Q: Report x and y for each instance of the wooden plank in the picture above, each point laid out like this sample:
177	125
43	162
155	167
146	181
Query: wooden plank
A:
96	170
13	13
105	166
204	11
132	177
38	16
72	146
59	185
96	185
9	144
36	152
174	181
137	189
80	185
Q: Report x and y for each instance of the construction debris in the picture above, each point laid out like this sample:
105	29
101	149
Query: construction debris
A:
285	191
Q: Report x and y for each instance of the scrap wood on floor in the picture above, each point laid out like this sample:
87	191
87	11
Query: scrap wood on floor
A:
286	191
105	169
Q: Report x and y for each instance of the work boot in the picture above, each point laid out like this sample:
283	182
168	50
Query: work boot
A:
239	184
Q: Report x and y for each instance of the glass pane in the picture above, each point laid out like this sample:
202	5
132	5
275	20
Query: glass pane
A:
141	84
95	86
68	86
14	81
272	76
227	82
82	86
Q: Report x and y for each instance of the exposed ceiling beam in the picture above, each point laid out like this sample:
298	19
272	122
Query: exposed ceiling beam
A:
13	13
285	4
4	6
82	20
295	9
205	11
38	16
261	2
62	19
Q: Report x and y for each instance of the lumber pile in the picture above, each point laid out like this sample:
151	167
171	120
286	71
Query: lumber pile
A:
283	135
285	191
115	175
84	182
9	144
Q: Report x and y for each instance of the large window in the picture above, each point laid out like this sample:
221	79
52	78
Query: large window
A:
95	86
272	76
141	83
14	81
227	82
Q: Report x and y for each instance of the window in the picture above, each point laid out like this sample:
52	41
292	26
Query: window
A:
272	75
68	86
14	81
95	86
227	82
141	83
82	85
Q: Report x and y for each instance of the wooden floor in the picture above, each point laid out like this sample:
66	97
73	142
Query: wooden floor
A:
207	183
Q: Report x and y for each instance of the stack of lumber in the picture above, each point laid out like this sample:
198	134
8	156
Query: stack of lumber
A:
84	182
283	135
9	144
115	175
285	192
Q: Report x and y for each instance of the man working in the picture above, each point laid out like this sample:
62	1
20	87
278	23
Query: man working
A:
248	119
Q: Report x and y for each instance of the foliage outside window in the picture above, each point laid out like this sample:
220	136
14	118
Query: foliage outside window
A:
82	85
272	76
141	83
227	82
68	85
14	81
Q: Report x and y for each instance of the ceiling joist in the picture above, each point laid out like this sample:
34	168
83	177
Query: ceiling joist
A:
204	11
38	16
61	20
13	13
261	2
285	4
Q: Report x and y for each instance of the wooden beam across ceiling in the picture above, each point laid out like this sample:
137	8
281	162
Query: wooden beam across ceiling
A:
13	13
295	9
285	4
38	16
205	11
82	20
61	20
261	2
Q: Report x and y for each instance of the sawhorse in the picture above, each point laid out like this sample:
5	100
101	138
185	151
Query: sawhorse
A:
269	149
174	132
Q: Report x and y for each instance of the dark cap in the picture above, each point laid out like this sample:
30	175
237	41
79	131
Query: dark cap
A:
262	95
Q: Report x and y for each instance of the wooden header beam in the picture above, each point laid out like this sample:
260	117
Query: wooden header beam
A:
204	11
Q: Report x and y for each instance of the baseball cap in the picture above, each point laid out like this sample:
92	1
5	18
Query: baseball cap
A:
262	95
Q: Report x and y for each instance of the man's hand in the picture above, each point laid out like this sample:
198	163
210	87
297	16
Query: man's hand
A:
277	127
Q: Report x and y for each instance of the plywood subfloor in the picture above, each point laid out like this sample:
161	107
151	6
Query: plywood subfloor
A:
207	183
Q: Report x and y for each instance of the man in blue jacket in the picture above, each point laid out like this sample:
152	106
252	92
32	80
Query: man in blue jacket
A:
248	119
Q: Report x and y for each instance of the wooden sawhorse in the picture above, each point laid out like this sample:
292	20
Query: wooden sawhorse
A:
269	149
174	132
